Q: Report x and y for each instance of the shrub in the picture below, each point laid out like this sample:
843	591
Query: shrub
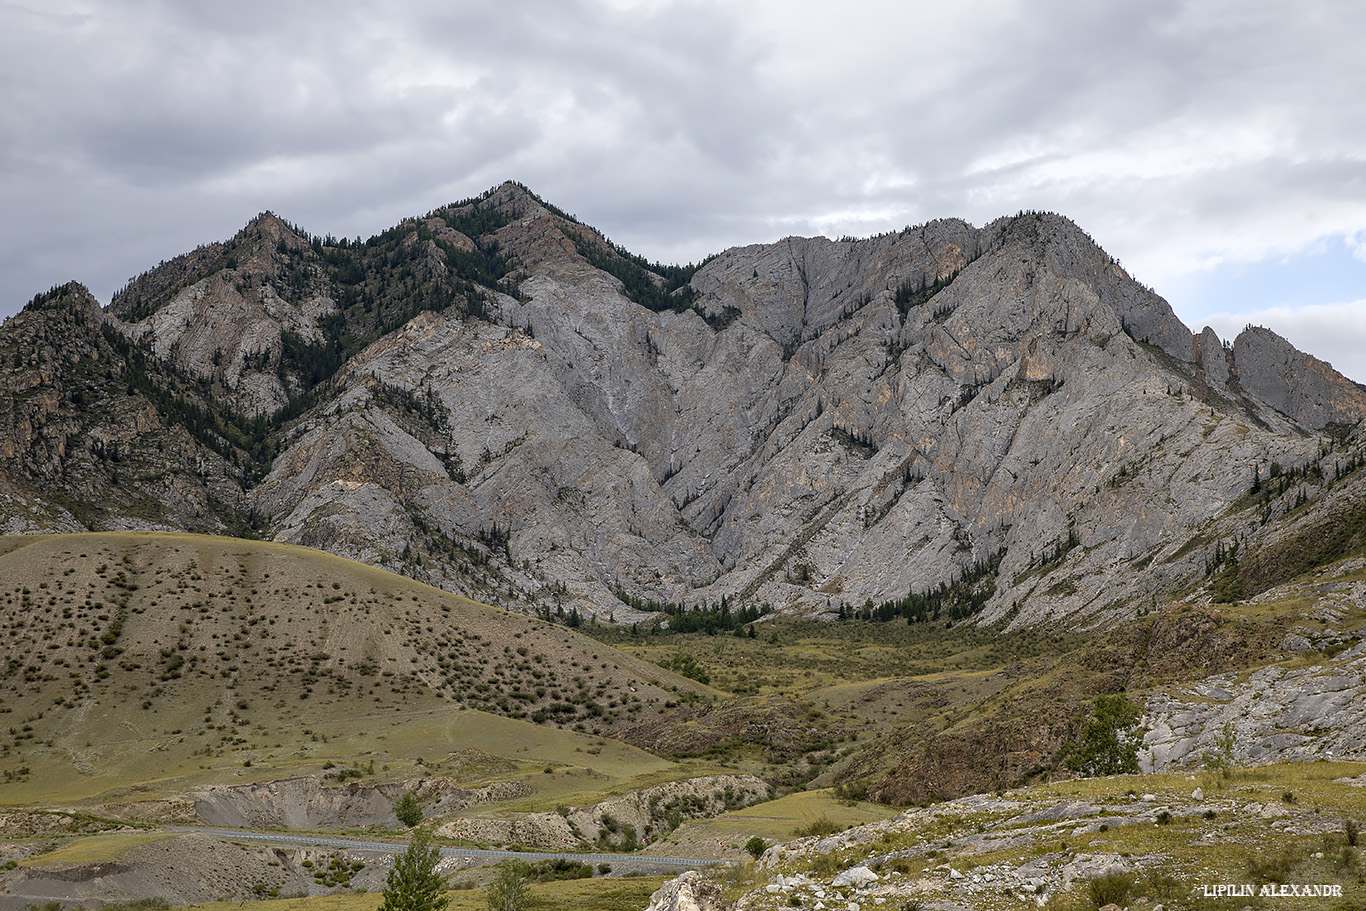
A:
819	828
1163	885
756	846
1220	759
557	869
851	791
413	883
1272	866
510	889
1111	889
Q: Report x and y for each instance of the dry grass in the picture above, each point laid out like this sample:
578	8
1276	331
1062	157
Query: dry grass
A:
95	849
609	894
136	665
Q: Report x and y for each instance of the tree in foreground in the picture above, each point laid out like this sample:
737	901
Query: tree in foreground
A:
511	888
413	883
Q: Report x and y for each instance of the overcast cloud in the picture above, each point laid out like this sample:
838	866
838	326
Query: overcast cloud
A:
1194	140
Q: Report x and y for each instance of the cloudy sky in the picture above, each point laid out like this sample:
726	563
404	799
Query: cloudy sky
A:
1216	147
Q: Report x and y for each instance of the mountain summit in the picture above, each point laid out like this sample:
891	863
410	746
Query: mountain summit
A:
939	423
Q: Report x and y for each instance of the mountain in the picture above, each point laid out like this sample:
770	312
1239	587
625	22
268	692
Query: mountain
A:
936	423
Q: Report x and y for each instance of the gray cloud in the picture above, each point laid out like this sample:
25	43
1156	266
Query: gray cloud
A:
1182	134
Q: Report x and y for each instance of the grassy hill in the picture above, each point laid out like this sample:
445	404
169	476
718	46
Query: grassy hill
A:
135	660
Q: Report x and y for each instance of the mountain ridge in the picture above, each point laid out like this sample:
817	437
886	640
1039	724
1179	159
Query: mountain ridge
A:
497	399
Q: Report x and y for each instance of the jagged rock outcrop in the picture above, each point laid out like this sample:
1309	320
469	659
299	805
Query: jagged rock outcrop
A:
1297	384
1214	359
689	892
495	399
230	311
83	443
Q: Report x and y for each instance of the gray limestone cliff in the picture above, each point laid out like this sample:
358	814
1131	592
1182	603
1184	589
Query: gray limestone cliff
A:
495	399
1294	383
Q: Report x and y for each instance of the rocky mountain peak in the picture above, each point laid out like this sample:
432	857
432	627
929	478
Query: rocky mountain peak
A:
267	231
495	398
1293	382
72	296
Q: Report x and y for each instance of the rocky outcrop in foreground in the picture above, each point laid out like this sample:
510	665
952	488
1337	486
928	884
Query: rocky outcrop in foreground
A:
689	892
1312	706
1149	840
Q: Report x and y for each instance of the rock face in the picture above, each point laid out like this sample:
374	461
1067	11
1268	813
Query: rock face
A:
305	803
1275	714
83	444
494	399
689	892
655	810
230	324
1297	384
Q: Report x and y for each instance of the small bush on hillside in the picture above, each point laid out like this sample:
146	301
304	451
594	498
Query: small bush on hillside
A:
851	791
1163	885
1220	759
1273	866
1111	889
687	666
819	828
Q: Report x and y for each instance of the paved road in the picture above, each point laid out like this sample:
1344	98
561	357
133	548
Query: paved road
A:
388	847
